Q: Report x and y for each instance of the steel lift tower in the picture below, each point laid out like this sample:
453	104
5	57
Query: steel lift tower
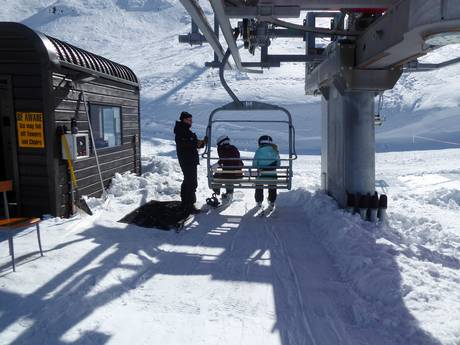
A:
371	44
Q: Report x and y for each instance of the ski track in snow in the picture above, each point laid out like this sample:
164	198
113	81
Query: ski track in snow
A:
307	328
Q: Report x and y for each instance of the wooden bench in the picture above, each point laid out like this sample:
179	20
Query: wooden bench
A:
10	227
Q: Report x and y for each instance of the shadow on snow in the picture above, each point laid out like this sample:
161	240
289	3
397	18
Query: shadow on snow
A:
313	304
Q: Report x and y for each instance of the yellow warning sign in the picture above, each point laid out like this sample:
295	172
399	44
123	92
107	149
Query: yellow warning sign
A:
30	129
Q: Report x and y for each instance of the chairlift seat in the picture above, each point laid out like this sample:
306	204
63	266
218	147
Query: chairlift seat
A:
251	177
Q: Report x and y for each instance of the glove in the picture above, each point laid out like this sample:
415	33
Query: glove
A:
200	144
205	139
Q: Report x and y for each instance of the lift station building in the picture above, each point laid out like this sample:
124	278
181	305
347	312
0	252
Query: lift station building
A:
48	86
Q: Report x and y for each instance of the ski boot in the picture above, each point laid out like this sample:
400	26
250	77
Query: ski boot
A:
193	210
213	201
227	197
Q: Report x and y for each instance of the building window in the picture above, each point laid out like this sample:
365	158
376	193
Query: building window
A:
106	125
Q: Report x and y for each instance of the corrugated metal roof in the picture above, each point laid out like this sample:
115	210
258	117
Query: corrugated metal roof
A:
70	55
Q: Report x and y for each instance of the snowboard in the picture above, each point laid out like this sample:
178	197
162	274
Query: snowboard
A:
183	223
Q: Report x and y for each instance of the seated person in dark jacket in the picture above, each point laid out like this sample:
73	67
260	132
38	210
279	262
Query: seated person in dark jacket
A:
187	145
229	160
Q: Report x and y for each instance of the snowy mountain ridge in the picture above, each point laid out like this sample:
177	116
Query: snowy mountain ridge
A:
143	34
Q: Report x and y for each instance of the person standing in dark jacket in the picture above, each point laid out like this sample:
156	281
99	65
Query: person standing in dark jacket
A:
229	160
187	145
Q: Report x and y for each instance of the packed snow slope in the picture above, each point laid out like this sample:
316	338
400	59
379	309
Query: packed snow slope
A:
309	274
421	112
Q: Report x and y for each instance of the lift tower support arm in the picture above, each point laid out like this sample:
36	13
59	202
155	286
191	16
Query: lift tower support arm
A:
355	70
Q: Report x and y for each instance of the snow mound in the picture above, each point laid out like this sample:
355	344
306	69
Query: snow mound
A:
382	266
445	197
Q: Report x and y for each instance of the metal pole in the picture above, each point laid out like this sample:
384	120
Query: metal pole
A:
360	142
5	202
222	79
216	32
350	144
93	143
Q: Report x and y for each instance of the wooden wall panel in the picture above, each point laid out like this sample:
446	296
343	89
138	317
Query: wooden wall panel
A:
36	88
126	157
19	60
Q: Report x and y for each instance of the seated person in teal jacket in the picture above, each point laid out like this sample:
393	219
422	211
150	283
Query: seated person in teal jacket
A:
266	159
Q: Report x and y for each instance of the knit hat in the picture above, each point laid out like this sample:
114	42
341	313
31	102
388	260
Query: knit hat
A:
222	140
265	139
184	115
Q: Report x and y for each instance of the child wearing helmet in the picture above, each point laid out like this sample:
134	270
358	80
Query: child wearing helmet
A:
228	160
266	159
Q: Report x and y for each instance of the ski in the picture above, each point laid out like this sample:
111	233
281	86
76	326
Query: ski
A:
183	223
266	212
270	212
259	212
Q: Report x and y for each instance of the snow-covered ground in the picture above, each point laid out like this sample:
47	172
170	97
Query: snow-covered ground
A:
311	274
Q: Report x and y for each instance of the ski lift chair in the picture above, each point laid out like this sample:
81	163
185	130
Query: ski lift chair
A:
248	176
